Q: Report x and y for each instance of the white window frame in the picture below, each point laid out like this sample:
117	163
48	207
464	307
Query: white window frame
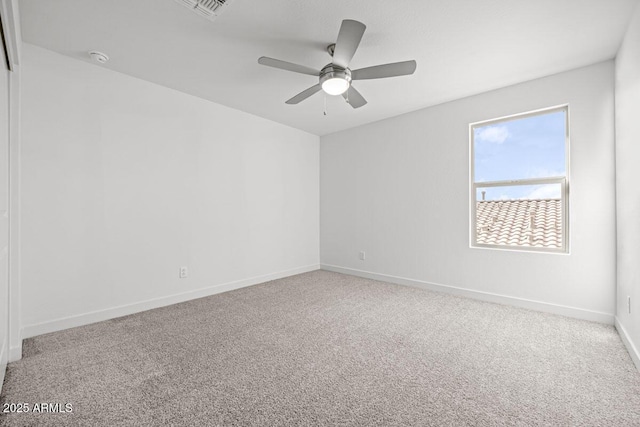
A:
563	181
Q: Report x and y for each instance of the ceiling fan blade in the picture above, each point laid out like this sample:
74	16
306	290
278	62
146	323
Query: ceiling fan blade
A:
348	40
385	70
354	98
289	66
304	94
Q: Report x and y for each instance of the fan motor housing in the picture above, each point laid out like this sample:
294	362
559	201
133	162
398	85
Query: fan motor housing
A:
331	71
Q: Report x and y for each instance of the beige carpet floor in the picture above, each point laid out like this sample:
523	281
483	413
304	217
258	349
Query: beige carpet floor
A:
328	349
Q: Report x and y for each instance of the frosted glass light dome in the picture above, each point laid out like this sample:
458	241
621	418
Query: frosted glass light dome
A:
335	86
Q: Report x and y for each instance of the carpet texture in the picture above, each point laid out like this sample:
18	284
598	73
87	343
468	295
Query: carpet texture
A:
323	348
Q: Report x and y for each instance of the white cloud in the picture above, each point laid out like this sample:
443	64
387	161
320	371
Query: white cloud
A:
494	134
550	191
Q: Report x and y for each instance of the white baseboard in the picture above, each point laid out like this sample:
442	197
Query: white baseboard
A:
626	339
578	313
29	331
15	353
3	362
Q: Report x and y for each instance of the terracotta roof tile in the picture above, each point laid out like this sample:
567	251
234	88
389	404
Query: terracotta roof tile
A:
529	223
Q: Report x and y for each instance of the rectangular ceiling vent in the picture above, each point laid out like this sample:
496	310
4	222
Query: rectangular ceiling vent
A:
209	9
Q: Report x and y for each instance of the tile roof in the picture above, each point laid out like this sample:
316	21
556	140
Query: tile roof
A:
529	223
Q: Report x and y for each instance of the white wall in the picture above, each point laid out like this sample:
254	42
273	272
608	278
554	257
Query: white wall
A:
398	189
124	181
4	213
628	186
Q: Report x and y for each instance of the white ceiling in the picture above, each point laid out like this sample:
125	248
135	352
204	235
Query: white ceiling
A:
462	47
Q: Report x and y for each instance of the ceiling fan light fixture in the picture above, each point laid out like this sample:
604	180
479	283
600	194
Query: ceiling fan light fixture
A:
335	80
335	86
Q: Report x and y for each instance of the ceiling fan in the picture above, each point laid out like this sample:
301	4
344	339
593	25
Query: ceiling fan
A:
335	78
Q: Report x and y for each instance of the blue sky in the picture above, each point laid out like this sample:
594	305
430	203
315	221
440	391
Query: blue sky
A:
532	147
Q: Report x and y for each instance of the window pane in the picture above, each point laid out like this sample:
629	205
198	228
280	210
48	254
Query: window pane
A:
520	215
531	147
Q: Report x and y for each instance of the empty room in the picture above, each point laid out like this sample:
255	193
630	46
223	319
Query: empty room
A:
237	212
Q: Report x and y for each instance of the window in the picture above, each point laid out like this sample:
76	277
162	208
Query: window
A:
519	181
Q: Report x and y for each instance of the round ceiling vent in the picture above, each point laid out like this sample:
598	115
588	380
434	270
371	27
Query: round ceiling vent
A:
98	57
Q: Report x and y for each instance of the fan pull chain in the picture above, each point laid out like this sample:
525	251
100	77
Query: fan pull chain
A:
346	98
325	104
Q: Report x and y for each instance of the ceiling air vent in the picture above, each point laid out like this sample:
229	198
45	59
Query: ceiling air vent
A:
209	9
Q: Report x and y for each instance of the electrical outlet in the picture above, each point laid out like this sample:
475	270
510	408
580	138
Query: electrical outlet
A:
362	256
629	304
184	272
